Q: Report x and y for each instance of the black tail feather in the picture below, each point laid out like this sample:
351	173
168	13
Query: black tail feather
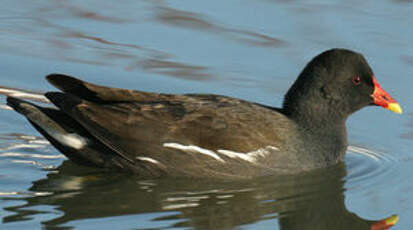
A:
18	105
64	101
73	86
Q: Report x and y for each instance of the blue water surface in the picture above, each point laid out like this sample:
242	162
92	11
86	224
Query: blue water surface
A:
247	49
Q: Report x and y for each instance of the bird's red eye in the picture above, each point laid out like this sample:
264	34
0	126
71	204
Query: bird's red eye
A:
356	80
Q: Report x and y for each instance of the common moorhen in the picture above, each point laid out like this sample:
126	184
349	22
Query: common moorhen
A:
205	135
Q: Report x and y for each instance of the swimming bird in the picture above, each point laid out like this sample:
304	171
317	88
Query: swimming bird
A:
212	136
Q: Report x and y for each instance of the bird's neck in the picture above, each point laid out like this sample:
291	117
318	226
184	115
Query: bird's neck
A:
316	117
324	130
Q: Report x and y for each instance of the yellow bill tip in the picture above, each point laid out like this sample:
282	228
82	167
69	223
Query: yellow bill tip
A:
392	220
395	107
385	223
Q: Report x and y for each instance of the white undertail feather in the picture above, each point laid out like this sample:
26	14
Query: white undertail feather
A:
71	140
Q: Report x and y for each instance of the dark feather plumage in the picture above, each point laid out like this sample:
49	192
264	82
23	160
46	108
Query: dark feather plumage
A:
194	135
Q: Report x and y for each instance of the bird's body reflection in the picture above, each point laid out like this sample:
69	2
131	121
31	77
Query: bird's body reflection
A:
306	201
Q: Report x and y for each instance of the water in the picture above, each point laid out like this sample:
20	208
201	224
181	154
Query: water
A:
248	49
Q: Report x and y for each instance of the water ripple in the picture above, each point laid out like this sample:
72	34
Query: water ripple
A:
13	92
31	155
26	193
368	169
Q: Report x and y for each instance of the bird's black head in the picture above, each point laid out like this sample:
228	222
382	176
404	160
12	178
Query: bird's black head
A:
332	86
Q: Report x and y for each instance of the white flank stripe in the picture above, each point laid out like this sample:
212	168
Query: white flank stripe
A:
250	156
242	156
193	149
148	159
